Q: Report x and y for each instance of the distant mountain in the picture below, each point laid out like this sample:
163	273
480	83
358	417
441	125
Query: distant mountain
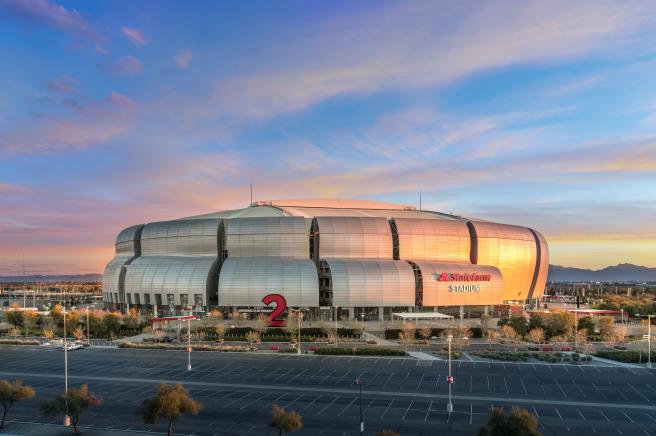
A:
623	272
80	278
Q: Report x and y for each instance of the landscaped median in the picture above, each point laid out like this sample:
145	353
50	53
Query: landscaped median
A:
525	356
368	351
19	342
626	356
181	346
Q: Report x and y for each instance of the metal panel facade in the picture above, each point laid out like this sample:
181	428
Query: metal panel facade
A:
435	239
513	250
354	237
126	240
169	275
541	282
268	236
111	276
453	284
244	281
372	283
181	238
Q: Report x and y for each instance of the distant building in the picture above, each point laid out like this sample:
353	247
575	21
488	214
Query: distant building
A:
360	256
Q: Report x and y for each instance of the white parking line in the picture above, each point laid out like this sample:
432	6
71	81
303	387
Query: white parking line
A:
523	386
580	414
388	407
629	418
580	390
650	417
347	406
638	392
430	406
559	387
559	415
407	410
330	404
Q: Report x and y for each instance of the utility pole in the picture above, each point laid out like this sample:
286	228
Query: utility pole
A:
336	331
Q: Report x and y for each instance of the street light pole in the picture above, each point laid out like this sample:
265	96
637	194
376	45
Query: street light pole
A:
360	383
188	344
67	419
649	317
449	406
299	316
336	332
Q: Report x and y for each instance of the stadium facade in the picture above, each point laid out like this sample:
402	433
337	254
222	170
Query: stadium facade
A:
361	256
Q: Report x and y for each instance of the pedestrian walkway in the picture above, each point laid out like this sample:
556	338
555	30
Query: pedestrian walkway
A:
422	356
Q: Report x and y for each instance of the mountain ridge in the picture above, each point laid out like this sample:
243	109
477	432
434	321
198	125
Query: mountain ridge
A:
622	272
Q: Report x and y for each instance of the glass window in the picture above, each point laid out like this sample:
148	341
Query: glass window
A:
184	299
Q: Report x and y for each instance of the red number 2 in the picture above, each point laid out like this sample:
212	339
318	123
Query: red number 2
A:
281	305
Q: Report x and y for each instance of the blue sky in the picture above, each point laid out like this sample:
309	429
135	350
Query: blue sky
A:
534	113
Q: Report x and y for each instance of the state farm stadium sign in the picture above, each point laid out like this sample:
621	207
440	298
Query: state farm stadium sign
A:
471	281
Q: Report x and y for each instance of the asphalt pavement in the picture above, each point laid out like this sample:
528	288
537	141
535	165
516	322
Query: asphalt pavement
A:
402	394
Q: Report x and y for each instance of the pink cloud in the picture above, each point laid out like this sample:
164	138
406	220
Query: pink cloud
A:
89	124
134	36
61	86
126	65
183	58
47	13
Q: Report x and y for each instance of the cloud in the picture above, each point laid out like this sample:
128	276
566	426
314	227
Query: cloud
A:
50	14
421	45
61	86
182	59
126	65
134	36
85	125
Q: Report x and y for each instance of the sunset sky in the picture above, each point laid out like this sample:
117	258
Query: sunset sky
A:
121	112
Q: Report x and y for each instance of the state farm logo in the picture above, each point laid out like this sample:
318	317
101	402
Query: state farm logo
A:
460	277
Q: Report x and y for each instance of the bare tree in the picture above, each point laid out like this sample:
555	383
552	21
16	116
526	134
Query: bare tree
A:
220	332
261	323
252	337
492	336
170	402
285	421
10	392
511	335
72	404
536	335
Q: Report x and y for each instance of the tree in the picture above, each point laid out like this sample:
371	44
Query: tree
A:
78	333
170	402
536	335
332	336
285	421
14	317
537	319
559	323
607	330
517	423
559	339
511	335
406	339
426	332
519	324
10	392
220	332
48	333
492	336
252	337
29	320
112	322
387	432
261	323
72	404
586	322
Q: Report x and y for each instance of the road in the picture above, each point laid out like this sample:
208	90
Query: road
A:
403	394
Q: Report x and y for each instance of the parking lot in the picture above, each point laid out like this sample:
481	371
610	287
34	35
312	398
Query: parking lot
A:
404	394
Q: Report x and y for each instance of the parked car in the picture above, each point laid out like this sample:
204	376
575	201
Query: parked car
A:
72	346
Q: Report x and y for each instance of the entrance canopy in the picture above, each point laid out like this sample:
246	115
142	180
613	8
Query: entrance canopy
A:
422	315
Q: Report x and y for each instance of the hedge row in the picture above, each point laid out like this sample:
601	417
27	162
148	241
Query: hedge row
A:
305	332
394	333
19	342
374	351
626	356
160	346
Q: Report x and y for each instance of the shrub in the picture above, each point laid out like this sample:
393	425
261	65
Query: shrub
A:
374	351
625	356
19	342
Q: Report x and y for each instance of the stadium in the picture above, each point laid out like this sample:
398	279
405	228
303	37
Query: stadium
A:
366	258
